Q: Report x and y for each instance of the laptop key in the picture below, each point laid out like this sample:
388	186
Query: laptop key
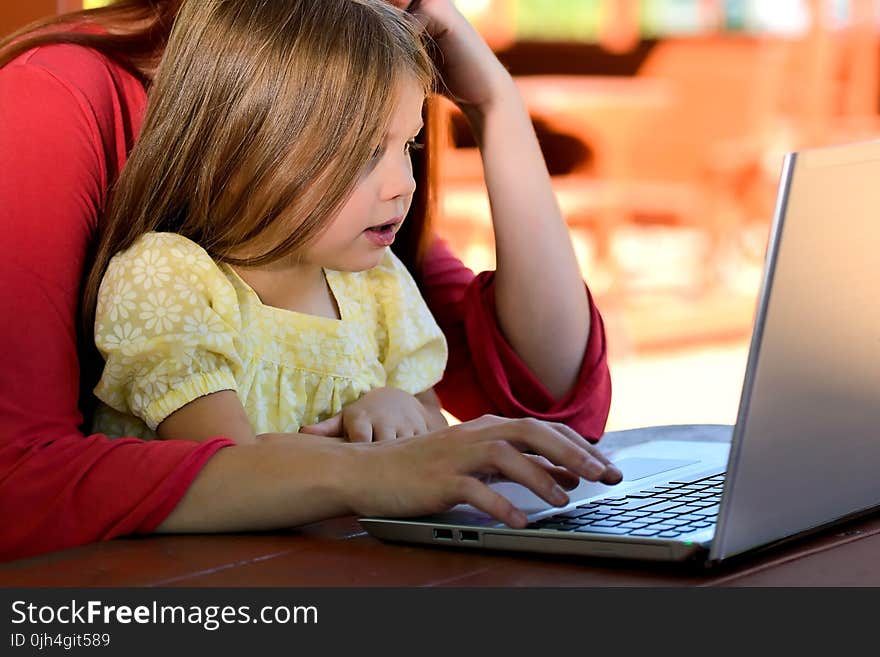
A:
633	525
613	502
676	522
626	517
687	508
669	534
663	506
595	516
691	517
568	515
644	532
632	504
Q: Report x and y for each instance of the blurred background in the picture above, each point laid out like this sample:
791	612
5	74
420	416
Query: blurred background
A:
664	124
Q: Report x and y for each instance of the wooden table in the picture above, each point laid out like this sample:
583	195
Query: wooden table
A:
339	553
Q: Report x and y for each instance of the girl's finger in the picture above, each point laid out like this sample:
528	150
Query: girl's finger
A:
419	425
384	431
332	426
359	430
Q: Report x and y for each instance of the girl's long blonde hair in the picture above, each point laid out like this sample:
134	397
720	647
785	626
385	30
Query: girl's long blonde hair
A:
263	114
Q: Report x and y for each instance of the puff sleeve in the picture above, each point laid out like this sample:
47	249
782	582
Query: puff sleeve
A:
167	325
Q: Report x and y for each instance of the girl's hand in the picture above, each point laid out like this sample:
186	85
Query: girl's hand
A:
472	75
451	466
382	414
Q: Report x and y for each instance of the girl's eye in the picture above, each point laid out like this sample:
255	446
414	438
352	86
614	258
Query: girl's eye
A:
413	145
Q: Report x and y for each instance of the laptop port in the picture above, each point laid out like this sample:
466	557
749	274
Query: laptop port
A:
467	535
443	534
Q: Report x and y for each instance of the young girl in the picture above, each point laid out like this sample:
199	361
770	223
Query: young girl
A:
253	290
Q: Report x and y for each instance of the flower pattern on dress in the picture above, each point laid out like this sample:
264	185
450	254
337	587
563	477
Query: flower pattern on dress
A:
122	338
173	326
203	326
120	301
151	269
160	312
189	287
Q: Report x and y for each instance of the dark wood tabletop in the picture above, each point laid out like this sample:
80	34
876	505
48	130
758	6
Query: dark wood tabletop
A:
339	553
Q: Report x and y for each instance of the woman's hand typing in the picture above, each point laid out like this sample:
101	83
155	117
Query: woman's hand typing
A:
451	466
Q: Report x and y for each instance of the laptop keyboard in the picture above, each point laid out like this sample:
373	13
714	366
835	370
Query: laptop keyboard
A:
663	511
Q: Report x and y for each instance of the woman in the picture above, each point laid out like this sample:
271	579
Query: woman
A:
69	115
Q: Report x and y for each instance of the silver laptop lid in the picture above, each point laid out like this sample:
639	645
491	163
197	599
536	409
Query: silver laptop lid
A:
806	447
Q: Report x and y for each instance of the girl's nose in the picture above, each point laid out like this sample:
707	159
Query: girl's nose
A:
399	180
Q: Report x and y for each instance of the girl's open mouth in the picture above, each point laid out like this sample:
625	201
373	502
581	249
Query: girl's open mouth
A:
382	235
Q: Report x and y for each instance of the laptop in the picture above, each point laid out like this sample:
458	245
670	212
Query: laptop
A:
805	450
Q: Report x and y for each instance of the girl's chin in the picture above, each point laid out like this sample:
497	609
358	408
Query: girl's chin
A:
362	262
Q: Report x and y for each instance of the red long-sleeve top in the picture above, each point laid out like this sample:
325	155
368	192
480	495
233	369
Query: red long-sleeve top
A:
68	119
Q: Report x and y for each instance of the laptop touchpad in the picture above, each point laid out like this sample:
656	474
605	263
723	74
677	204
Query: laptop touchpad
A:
639	468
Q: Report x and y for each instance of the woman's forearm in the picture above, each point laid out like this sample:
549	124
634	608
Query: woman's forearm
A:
540	298
286	480
279	481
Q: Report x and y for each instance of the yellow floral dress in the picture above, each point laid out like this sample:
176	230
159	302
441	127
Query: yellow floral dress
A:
173	326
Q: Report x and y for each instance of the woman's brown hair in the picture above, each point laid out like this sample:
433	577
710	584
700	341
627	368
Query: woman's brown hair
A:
131	32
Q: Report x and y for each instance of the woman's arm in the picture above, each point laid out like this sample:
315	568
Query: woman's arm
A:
540	300
538	285
484	373
285	480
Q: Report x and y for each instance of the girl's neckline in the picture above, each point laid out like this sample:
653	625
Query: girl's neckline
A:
332	285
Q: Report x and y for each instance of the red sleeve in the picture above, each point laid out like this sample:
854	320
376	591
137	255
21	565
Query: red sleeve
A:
485	375
58	144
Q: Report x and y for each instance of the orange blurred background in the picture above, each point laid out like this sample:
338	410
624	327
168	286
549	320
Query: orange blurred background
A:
664	124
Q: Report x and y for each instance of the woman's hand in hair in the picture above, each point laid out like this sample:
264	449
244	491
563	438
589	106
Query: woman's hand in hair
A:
415	476
383	414
472	75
